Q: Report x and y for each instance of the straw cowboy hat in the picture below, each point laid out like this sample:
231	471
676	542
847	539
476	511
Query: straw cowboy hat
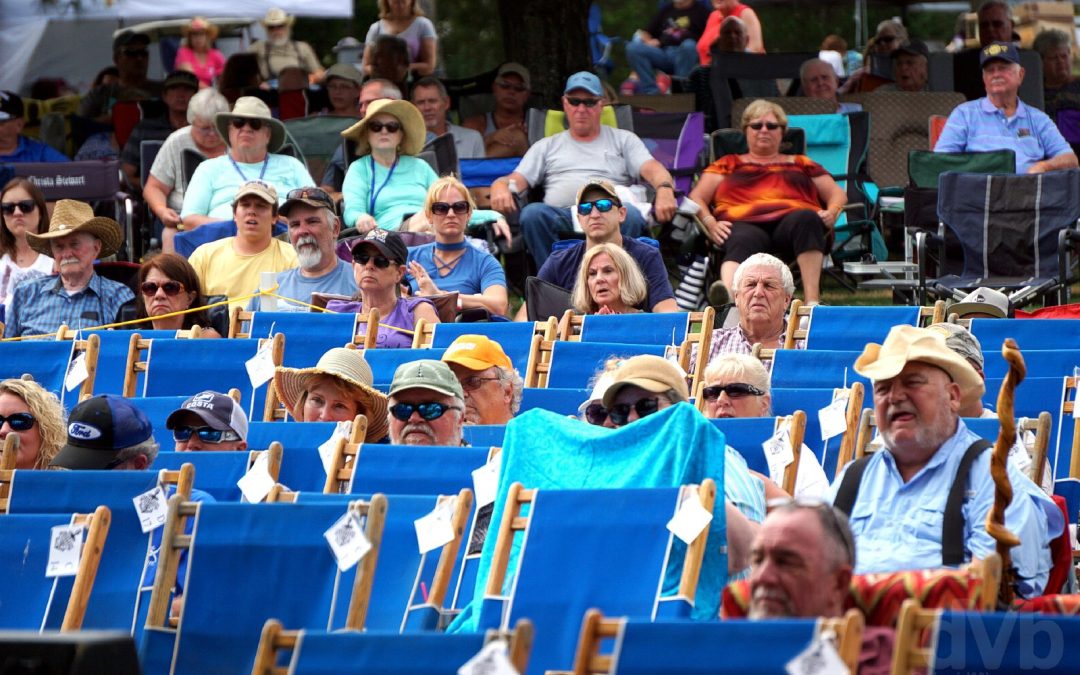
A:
347	365
252	108
908	343
276	16
412	124
71	216
200	24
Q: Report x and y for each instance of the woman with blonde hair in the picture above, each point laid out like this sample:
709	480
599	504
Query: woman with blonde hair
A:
609	281
404	19
36	417
197	53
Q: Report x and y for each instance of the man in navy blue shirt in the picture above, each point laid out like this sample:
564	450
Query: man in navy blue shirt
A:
14	147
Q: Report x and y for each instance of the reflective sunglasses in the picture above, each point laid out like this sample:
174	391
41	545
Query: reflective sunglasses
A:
136	53
26	206
757	126
443	208
241	122
381	261
596	413
620	412
309	193
519	88
391	127
171	288
22	421
587	102
733	390
429	410
602	205
206	434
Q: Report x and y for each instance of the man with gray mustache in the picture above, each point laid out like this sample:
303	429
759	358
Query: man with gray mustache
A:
427	405
313	231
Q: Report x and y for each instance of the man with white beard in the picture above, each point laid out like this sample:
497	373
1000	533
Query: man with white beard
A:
313	231
280	51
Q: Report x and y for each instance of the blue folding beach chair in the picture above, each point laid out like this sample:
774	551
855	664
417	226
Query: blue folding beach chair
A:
384	362
47	361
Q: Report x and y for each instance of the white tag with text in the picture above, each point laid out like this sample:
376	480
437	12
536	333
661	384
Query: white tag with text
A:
819	658
260	368
347	541
152	507
77	372
833	418
436	529
257	482
491	660
778	454
486	481
65	550
691	519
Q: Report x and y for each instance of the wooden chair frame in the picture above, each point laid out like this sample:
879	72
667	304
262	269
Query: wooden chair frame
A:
97	530
9	455
91	346
344	458
798	312
424	332
137	364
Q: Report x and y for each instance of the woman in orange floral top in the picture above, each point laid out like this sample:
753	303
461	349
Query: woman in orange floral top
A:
765	201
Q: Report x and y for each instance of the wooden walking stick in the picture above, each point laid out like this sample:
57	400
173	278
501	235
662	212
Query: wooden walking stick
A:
1003	491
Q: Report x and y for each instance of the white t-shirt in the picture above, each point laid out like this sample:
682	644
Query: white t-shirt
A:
11	275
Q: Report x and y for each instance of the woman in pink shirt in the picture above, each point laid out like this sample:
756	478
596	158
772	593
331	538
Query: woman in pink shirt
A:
197	53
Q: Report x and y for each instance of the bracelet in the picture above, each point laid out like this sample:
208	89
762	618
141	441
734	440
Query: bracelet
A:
665	184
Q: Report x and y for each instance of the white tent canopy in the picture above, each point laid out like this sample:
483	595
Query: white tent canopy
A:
56	40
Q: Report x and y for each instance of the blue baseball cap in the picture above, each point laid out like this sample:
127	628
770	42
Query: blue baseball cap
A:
98	428
999	51
584	80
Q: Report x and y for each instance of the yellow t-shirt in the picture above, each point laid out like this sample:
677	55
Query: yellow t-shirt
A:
222	271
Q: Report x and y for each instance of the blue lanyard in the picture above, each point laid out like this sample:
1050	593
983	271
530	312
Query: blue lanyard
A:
245	178
373	194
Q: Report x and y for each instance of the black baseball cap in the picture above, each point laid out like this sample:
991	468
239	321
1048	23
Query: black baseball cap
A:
389	243
98	428
11	106
181	78
130	37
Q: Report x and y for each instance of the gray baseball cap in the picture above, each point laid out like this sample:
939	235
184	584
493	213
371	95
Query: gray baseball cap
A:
426	374
219	412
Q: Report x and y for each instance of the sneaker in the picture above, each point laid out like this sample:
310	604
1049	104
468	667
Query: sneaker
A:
663	82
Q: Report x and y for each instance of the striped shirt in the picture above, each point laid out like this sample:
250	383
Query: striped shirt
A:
40	306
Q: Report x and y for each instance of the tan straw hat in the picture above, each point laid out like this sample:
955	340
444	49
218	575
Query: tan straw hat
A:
276	16
252	108
349	366
71	216
412	124
200	25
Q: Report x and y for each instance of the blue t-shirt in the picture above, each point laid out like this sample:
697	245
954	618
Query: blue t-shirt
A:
977	126
213	185
30	150
292	284
561	268
475	271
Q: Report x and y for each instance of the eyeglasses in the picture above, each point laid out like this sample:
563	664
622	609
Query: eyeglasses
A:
443	208
596	413
136	53
602	205
206	434
757	126
519	88
620	412
381	261
733	390
171	288
241	122
574	101
474	382
22	421
391	127
429	410
26	206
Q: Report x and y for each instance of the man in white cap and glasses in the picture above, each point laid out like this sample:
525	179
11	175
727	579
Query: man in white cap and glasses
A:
982	303
208	421
922	501
253	137
427	405
279	51
77	296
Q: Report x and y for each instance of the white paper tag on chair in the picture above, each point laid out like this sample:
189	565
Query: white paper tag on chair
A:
65	550
492	659
819	658
77	372
326	450
260	368
486	481
833	417
691	519
152	507
436	529
257	482
778	453
347	541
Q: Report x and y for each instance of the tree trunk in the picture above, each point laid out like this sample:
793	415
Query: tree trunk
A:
551	37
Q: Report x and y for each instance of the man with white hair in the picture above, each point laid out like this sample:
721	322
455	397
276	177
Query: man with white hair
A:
427	405
313	231
489	381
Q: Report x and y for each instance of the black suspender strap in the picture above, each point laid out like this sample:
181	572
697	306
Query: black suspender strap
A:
849	486
952	526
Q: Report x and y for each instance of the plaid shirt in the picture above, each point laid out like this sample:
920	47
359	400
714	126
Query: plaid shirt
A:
40	306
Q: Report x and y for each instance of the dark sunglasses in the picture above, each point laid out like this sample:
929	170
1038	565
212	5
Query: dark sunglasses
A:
381	261
602	205
733	390
26	206
620	412
309	193
511	86
206	434
442	208
241	122
429	411
23	421
596	413
757	126
392	127
171	288
587	102
136	53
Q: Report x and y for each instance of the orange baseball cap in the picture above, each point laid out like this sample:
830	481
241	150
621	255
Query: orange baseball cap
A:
477	352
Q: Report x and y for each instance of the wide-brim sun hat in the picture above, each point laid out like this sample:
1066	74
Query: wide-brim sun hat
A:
200	24
347	365
412	124
252	108
276	16
71	216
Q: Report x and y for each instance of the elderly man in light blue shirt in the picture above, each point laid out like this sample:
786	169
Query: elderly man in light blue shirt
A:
1001	121
897	498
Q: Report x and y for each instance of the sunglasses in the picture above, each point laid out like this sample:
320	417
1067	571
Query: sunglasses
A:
587	102
241	122
23	421
757	126
171	288
596	413
206	434
26	206
309	193
443	208
136	53
620	412
602	205
733	390
519	88
391	127
474	382
381	261
429	411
